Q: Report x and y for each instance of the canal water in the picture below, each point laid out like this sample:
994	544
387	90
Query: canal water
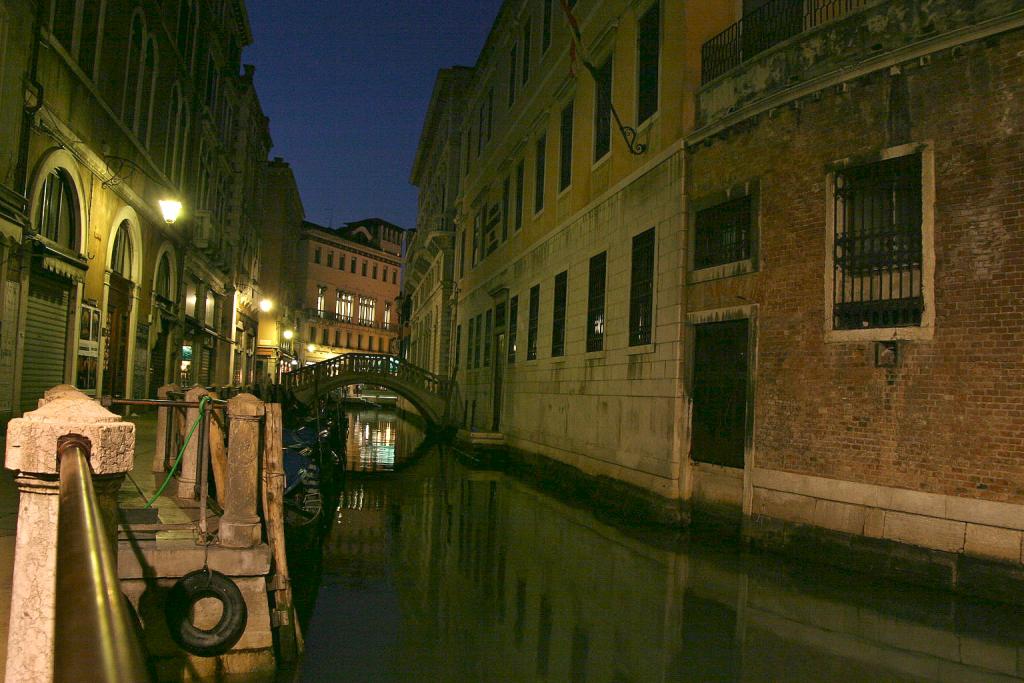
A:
436	571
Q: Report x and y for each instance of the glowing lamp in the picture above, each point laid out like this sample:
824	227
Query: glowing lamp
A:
266	305
171	209
288	334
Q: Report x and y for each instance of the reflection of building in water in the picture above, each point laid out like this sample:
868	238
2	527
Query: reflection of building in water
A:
370	446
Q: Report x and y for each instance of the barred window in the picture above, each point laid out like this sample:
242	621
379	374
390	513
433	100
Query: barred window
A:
513	323
877	245
641	289
722	233
595	302
558	315
531	328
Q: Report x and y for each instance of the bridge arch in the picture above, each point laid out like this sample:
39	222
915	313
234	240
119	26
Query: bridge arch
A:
427	392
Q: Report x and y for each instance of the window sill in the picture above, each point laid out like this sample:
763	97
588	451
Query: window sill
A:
602	161
722	271
873	334
640	349
594	355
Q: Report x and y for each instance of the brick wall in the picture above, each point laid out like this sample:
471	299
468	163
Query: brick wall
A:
950	418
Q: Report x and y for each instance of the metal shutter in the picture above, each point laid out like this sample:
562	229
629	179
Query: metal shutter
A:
46	329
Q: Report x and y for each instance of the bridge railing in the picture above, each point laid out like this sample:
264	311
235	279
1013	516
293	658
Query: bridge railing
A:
369	364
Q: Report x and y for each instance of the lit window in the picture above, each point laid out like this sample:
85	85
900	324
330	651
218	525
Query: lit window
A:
595	302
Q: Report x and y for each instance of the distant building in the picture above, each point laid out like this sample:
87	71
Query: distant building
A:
107	108
350	278
281	232
429	284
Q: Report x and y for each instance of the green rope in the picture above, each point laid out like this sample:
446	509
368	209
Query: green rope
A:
167	480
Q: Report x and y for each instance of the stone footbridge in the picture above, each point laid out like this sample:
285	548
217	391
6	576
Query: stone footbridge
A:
431	394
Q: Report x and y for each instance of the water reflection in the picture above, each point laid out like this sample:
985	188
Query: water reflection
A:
370	446
443	573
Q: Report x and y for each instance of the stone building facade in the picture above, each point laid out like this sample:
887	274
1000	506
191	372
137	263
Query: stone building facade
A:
111	107
796	308
428	285
349	279
877	186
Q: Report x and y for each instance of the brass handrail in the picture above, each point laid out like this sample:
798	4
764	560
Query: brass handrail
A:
93	635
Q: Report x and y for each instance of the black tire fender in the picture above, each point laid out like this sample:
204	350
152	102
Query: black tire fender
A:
190	589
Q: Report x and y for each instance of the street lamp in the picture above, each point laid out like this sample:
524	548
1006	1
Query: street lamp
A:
171	209
266	305
311	347
288	334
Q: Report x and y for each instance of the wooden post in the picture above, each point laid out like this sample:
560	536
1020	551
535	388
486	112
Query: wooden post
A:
218	452
284	617
240	525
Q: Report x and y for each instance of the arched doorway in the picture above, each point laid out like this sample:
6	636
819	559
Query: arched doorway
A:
161	355
53	269
119	310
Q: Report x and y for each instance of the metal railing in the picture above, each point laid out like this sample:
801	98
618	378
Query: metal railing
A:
94	636
314	314
768	25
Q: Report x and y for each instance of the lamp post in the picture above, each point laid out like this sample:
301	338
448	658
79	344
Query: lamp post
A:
170	206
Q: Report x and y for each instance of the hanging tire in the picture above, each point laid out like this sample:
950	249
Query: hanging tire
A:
190	589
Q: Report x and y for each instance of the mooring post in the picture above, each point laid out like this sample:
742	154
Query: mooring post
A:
187	473
162	456
32	453
240	525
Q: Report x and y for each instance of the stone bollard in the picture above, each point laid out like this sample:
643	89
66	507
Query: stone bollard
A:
186	484
32	452
163	457
240	525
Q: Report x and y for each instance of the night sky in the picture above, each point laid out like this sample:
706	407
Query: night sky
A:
346	85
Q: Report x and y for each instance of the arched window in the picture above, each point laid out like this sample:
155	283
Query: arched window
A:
186	30
171	142
147	86
121	256
56	219
129	102
89	37
162	284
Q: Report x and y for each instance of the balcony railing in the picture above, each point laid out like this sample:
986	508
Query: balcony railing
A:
314	314
769	25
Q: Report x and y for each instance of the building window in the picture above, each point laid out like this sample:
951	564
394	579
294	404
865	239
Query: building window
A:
490	113
163	286
312	333
374	271
506	191
394	277
330	259
527	39
558	315
545	34
538	176
648	45
367	308
387	315
520	179
352	264
722	233
603	110
337	338
56	220
641	289
364	267
595	302
121	254
479	336
385	278
346	306
531	327
513	324
325	338
341	261
321	295
877	245
359	342
458	345
316	255
512	59
469	344
487	338
565	148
